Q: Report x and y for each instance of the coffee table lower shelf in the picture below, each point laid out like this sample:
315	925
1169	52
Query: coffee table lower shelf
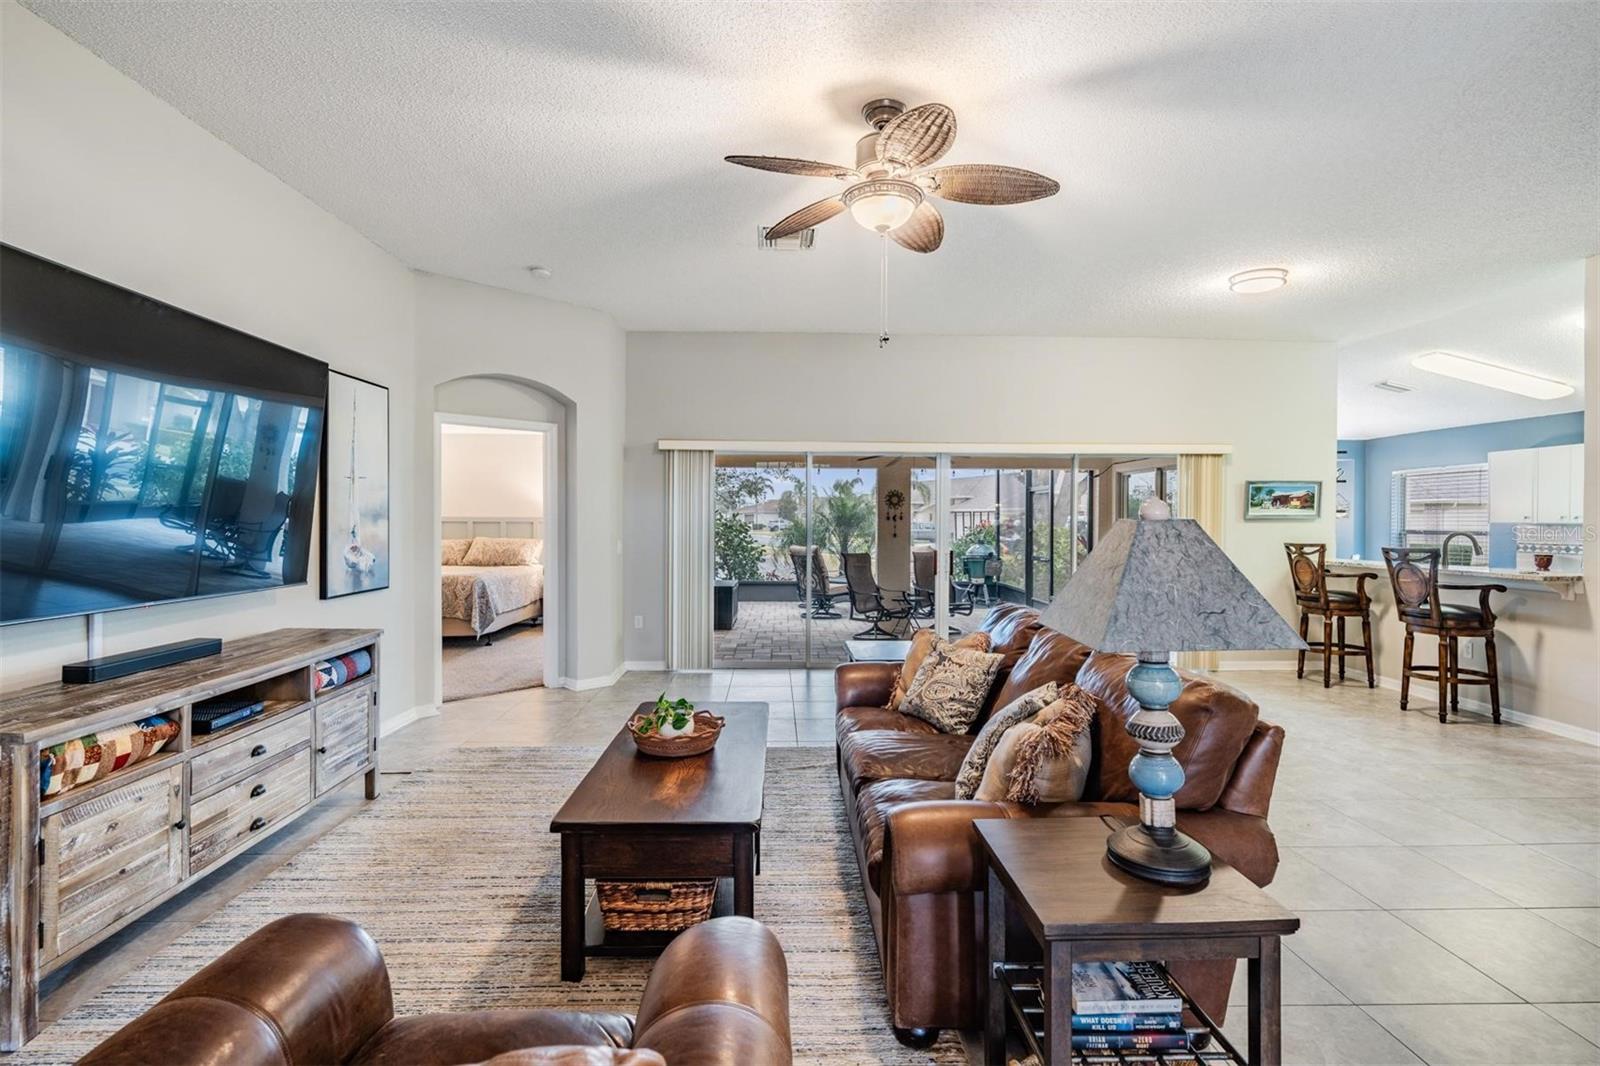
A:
600	942
1025	998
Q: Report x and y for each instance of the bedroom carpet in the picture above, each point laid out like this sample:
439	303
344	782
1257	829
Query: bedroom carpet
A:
455	875
514	661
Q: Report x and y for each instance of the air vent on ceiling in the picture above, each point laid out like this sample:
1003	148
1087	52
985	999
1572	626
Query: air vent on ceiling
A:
795	242
1392	386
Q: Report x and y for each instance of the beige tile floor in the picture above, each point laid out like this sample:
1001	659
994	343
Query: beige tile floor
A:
1447	876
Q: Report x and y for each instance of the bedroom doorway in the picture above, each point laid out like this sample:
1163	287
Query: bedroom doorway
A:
497	555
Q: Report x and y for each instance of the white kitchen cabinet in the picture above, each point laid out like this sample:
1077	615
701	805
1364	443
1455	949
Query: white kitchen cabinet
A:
1512	476
1552	489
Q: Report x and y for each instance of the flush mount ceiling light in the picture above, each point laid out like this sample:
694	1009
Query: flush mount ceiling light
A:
1491	376
1262	279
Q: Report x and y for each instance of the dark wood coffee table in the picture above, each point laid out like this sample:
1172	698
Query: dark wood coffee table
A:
639	818
1053	874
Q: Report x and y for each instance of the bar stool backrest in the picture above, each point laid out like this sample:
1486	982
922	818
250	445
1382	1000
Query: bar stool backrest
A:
1414	576
1307	571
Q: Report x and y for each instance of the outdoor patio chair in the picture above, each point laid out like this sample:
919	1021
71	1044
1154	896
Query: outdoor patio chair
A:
867	600
924	580
823	595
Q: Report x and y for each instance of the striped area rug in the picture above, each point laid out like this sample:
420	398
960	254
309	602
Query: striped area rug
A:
455	874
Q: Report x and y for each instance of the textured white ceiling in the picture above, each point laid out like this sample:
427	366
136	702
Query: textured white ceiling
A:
1536	326
1401	159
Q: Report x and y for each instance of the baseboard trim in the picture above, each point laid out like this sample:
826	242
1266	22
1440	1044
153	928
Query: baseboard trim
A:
583	684
390	723
1422	691
644	665
1253	664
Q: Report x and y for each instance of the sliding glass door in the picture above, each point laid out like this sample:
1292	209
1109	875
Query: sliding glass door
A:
822	557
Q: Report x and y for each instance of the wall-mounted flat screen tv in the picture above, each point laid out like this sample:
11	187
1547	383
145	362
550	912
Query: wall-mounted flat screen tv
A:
146	454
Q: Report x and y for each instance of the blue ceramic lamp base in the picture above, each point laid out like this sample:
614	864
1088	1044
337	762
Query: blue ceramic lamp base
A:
1155	849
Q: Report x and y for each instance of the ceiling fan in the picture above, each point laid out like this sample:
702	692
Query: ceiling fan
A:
893	177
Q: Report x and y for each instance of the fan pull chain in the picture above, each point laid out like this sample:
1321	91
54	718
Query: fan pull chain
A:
883	294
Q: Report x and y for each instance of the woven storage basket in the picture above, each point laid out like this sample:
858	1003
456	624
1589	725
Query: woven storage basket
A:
655	906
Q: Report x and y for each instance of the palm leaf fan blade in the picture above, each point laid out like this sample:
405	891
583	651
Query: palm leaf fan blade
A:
778	164
808	216
987	183
917	137
923	231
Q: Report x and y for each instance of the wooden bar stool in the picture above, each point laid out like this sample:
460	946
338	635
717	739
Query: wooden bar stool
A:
1333	606
1414	573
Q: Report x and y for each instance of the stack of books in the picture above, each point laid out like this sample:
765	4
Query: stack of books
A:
1126	1006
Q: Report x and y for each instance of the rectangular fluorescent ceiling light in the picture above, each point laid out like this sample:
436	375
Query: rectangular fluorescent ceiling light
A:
1491	376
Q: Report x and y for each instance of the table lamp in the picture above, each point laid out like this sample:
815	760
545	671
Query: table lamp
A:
1152	587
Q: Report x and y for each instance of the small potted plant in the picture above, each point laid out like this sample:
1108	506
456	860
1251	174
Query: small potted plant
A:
670	718
673	728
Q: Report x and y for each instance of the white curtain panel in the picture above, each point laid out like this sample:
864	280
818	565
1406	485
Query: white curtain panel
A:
1202	496
689	559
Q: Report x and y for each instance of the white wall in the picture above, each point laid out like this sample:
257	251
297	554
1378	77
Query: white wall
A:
100	175
486	347
1274	403
491	474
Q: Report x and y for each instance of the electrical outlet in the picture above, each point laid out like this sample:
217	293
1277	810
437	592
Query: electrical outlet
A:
638	621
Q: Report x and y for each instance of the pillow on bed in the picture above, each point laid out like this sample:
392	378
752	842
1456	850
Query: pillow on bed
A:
502	551
453	552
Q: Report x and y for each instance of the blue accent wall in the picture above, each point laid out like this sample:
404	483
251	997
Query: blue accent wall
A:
1376	460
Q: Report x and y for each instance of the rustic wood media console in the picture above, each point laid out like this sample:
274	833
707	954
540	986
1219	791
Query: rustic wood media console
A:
82	864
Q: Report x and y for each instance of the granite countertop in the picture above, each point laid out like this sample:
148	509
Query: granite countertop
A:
1568	583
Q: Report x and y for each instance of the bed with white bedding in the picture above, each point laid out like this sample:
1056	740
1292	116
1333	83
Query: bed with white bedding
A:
477	600
488	583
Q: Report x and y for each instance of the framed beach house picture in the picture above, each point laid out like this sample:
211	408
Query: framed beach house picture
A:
355	488
1282	499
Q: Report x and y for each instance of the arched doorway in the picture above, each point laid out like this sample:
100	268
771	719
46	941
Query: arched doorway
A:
500	454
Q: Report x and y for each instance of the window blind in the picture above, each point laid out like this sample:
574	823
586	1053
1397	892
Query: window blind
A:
1427	504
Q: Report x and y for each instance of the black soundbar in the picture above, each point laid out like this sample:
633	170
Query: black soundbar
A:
137	662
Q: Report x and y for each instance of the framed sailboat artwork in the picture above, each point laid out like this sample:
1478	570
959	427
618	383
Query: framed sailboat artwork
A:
355	488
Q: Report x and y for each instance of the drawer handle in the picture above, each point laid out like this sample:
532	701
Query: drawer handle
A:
179	824
259	790
259	823
322	750
258	751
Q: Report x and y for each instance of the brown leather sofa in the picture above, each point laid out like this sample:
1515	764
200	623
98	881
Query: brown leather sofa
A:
920	866
313	989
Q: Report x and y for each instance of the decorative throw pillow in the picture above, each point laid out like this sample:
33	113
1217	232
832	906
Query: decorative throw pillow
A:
1018	710
922	642
1051	763
950	687
501	551
453	552
538	551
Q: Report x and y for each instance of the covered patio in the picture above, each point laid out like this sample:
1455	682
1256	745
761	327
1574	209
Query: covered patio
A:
775	632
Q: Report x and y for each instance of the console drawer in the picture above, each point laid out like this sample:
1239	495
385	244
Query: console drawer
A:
343	735
106	856
234	817
210	766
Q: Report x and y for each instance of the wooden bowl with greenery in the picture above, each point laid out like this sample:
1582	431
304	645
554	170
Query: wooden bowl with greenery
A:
673	729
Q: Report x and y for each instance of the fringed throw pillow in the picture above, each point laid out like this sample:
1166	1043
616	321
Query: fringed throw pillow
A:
1018	710
1045	760
950	687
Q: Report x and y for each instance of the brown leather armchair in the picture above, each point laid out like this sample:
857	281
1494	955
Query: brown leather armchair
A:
921	869
313	988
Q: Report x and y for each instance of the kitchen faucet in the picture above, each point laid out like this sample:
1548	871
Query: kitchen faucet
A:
1444	547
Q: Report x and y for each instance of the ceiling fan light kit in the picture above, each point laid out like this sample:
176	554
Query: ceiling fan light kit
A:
882	204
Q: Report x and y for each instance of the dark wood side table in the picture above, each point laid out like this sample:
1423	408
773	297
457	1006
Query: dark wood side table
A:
1053	874
639	818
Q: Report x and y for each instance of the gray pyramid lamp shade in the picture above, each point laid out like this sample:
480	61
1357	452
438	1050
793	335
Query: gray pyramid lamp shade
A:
1153	587
1162	585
